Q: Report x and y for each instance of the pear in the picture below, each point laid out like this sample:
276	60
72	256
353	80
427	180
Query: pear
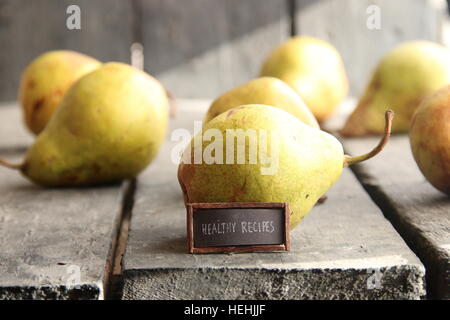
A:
46	80
430	139
108	127
265	90
314	69
284	161
402	79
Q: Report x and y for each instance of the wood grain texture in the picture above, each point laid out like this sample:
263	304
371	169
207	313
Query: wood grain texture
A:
206	47
420	213
29	28
201	48
48	235
344	24
334	254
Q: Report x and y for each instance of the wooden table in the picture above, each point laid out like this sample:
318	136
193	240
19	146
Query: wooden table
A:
419	212
69	243
54	244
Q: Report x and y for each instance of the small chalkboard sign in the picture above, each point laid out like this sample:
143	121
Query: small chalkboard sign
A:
237	227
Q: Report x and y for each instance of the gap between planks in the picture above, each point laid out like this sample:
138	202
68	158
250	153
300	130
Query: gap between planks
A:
113	283
412	235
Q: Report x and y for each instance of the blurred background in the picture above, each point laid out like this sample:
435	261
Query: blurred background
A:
200	48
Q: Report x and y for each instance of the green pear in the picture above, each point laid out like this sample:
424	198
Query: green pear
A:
430	139
265	90
46	80
314	69
284	160
108	127
402	79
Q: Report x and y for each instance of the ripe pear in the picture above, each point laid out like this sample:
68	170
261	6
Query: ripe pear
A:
265	90
108	127
296	163
314	69
402	79
46	80
430	139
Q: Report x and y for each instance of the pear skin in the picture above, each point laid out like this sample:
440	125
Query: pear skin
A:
265	90
402	79
430	139
46	80
314	69
305	161
108	127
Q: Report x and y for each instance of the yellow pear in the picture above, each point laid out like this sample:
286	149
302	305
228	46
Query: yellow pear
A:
430	139
284	160
46	80
265	90
314	69
402	79
108	127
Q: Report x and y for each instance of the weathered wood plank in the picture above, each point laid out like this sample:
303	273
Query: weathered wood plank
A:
205	47
337	251
420	213
29	28
54	243
344	24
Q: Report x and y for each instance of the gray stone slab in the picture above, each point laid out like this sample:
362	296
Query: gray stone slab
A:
419	212
54	243
344	249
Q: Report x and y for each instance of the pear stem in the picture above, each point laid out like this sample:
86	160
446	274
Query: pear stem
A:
349	160
10	165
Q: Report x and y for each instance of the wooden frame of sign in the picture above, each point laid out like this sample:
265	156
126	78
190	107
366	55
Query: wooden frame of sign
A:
238	227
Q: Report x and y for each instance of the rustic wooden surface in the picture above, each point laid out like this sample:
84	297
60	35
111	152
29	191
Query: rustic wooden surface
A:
344	24
420	213
206	47
29	28
48	235
337	250
201	48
